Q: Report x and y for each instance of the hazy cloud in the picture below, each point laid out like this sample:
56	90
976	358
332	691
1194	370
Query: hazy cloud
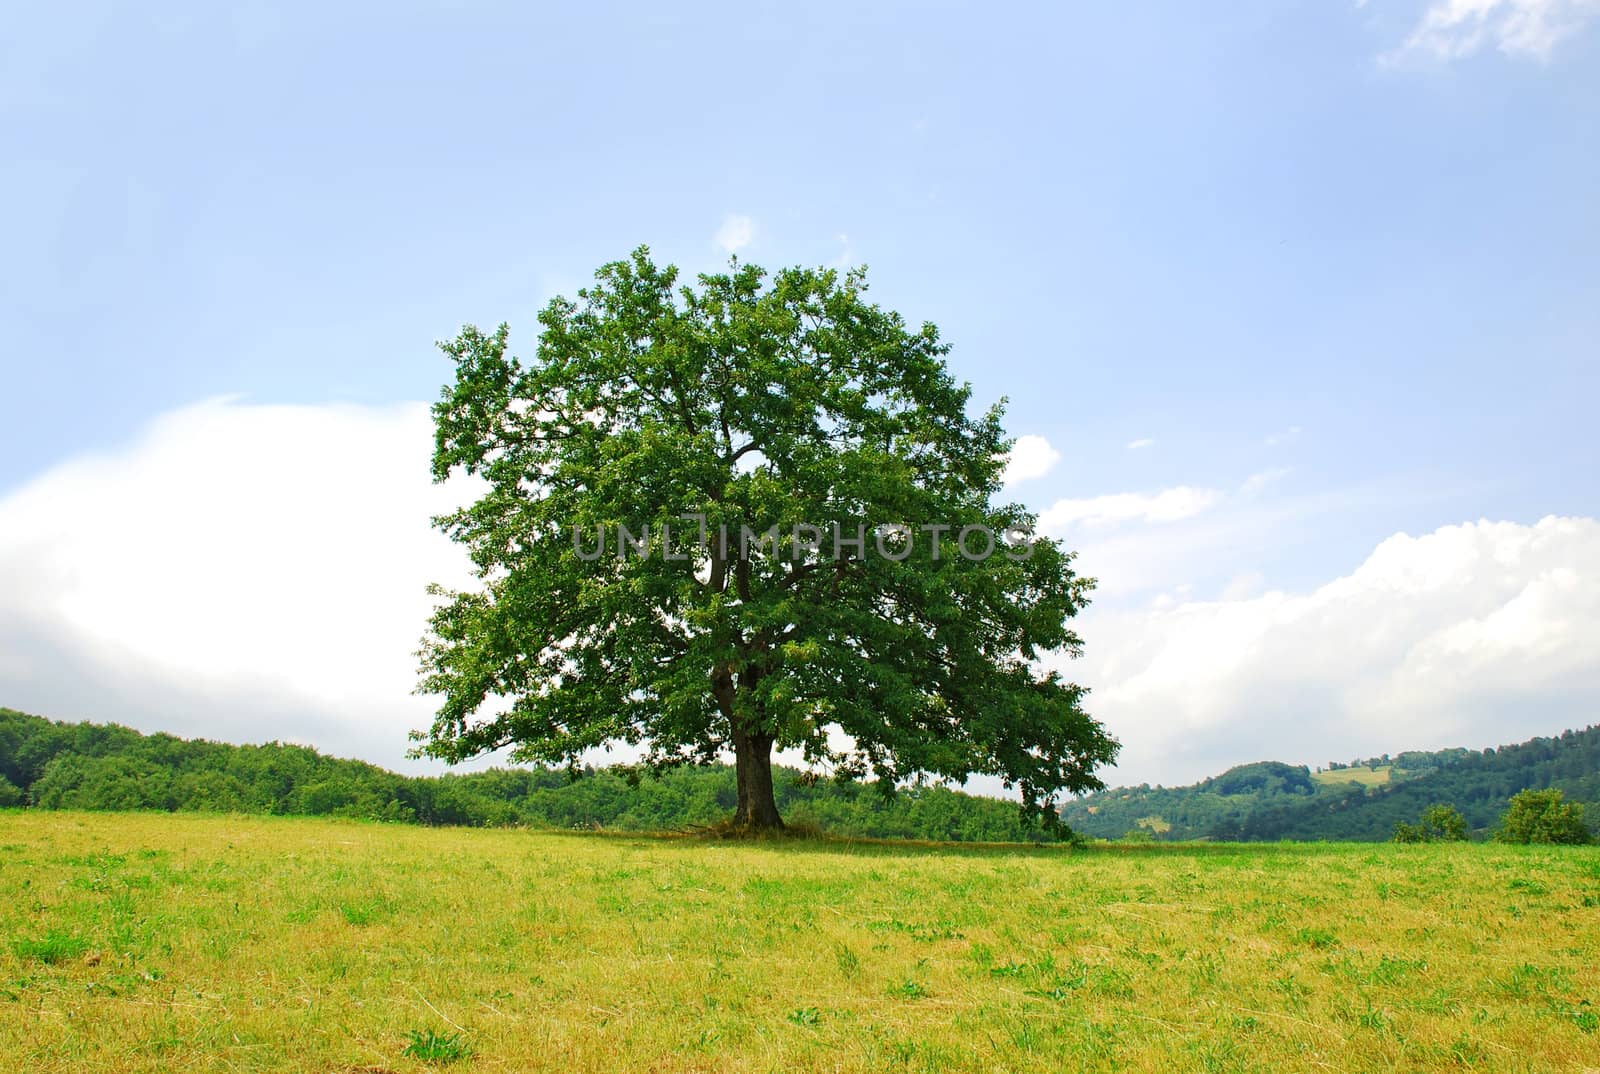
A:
1454	29
1256	484
846	258
735	233
1168	505
1282	436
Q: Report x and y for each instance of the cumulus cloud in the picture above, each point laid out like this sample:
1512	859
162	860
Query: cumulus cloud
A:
1473	634
238	572
735	233
1454	29
1168	505
1030	457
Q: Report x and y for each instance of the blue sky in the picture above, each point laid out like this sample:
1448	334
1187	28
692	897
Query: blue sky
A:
1339	264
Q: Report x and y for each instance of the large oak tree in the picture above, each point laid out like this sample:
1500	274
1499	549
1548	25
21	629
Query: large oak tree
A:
747	402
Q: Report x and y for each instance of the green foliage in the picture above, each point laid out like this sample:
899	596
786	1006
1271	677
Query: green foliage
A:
1543	817
1408	833
431	1046
754	403
1267	801
1444	823
806	1016
1270	777
53	946
1438	824
105	767
10	794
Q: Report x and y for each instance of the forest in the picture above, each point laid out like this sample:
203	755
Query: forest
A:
1358	800
46	764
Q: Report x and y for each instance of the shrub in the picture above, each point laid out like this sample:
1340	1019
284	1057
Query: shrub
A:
1543	817
1408	833
1438	824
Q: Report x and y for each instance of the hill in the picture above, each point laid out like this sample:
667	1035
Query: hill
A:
55	765
1359	801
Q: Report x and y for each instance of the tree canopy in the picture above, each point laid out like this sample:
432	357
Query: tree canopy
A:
746	515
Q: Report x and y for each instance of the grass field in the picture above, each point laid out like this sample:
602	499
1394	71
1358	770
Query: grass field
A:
180	942
1367	777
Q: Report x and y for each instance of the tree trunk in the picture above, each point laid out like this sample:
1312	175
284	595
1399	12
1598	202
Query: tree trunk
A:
758	810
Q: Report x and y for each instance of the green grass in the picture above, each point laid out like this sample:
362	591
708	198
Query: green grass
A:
431	1046
53	946
141	942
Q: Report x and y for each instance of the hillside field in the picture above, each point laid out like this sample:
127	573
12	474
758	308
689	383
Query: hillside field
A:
1366	777
157	942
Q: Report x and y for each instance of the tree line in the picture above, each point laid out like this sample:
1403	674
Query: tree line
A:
46	764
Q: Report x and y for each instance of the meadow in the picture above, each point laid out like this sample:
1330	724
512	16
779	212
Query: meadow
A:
159	942
1376	776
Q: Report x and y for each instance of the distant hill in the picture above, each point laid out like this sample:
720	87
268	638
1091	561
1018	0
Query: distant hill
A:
1360	801
55	765
52	765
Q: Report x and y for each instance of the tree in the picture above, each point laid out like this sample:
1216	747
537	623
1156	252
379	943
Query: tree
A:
1438	824
750	407
1444	823
1543	817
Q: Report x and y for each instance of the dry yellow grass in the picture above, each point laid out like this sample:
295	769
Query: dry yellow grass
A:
1367	777
164	943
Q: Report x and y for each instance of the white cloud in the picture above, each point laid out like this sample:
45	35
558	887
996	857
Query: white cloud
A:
1474	634
1454	29
735	233
1030	457
236	572
1142	442
1168	505
1178	504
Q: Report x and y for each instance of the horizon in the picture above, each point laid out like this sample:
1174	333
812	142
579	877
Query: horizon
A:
601	764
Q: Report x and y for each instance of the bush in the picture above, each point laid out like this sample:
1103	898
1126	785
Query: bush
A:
1439	824
1543	817
1408	833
